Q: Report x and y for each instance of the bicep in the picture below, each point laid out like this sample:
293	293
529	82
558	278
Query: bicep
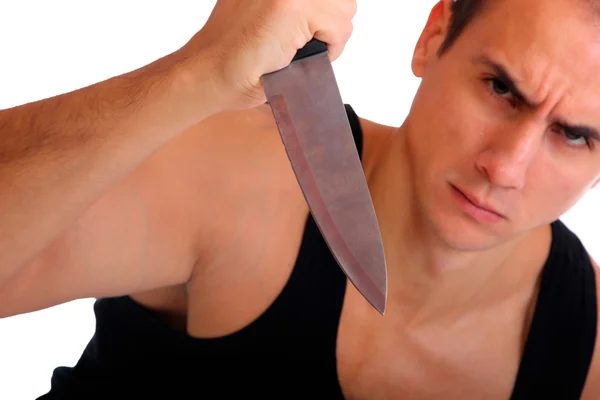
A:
134	238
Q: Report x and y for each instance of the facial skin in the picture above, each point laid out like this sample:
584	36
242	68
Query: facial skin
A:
467	129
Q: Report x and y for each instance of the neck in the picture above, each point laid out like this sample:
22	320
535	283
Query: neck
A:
428	279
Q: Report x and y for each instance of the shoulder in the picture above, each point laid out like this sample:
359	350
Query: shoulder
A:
234	150
592	387
233	168
375	140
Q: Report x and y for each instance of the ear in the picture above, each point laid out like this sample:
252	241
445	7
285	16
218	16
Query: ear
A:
432	37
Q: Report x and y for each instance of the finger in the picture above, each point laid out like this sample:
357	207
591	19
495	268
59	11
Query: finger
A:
336	40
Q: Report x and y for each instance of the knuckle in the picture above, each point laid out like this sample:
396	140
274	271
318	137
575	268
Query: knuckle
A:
276	5
283	5
349	31
293	5
352	8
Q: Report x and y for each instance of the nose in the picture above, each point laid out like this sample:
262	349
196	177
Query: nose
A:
508	154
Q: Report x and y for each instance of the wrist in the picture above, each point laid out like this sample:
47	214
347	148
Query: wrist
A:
196	85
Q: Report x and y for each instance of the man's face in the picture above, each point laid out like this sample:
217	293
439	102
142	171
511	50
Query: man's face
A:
470	133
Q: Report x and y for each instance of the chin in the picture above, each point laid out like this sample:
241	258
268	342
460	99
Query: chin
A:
453	229
461	235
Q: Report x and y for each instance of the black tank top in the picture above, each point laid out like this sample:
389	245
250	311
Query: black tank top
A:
289	351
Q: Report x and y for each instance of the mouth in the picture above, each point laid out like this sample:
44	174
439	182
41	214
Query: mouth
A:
475	207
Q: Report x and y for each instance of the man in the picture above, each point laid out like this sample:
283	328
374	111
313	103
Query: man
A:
176	204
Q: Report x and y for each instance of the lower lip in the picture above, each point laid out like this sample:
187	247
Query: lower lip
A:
478	213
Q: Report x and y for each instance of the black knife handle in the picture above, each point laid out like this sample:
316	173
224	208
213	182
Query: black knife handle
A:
311	48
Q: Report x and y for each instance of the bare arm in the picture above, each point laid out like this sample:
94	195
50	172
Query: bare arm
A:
58	155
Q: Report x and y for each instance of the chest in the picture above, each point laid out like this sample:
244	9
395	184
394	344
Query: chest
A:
475	357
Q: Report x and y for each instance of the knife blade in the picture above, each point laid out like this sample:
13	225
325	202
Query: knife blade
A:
314	128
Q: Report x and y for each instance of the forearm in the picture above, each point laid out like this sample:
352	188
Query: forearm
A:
58	155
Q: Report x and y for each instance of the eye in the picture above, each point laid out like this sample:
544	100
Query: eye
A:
572	139
498	89
498	86
576	140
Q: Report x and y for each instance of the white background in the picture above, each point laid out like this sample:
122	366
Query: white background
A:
50	47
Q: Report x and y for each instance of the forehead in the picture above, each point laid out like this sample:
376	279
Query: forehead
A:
550	47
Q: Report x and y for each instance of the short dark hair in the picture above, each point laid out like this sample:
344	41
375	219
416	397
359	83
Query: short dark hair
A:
463	12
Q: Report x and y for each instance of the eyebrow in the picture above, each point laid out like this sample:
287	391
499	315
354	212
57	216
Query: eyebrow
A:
508	80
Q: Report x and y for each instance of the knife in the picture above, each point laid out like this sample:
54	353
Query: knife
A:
314	128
